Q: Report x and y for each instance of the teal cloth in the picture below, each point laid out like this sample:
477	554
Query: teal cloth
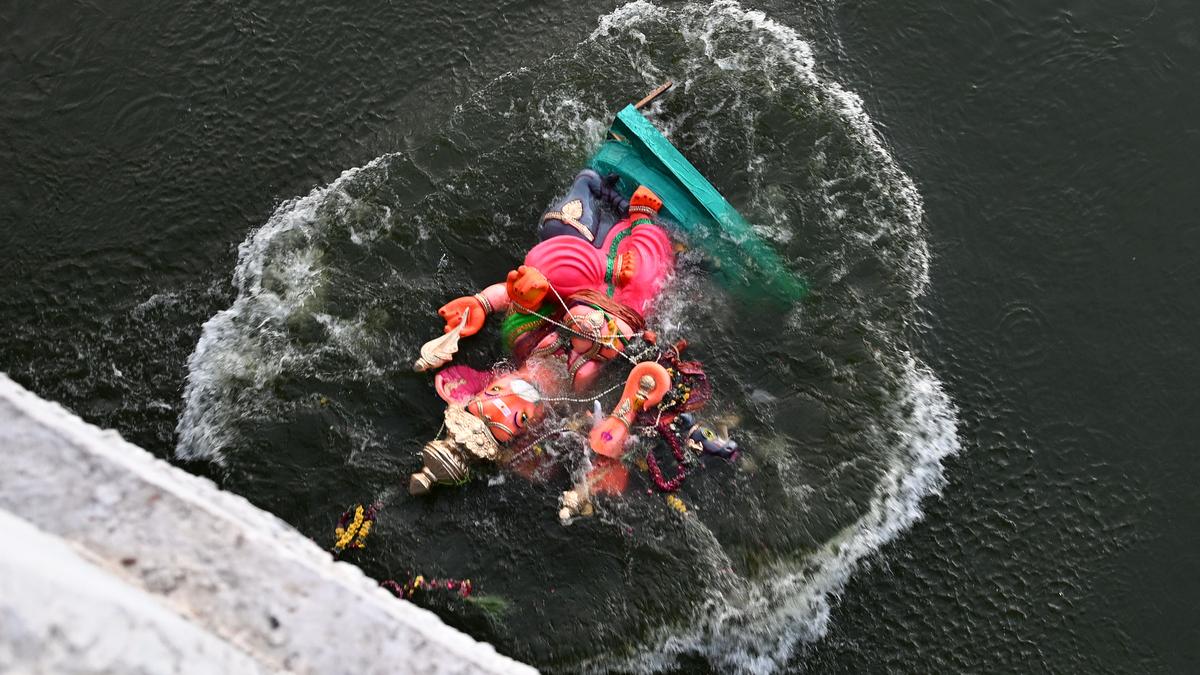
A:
638	153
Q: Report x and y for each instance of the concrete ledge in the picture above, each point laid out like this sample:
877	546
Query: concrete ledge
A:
226	586
60	613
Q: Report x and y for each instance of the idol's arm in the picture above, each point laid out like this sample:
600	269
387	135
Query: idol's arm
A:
494	298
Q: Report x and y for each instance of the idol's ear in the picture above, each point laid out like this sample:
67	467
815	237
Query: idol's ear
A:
456	384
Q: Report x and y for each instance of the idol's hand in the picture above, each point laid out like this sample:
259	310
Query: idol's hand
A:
453	312
645	386
527	286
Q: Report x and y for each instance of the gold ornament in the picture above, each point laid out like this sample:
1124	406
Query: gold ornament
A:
570	213
447	460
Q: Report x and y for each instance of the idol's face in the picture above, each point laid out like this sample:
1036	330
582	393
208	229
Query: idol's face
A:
508	405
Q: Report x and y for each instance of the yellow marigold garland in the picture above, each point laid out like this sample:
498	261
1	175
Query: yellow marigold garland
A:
352	530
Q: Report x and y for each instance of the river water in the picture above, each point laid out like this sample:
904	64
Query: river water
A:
969	448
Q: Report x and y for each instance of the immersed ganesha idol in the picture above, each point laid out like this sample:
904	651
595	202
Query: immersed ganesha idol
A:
579	302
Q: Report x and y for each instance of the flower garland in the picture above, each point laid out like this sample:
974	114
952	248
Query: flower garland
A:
461	587
656	474
689	391
353	527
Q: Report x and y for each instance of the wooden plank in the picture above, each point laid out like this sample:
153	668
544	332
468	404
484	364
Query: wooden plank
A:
658	91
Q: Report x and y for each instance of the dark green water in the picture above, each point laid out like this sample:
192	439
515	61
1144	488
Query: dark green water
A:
1035	314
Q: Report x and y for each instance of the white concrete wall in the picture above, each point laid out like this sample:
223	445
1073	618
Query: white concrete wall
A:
61	613
114	561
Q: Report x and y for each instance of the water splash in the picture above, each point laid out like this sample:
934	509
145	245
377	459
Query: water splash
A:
305	373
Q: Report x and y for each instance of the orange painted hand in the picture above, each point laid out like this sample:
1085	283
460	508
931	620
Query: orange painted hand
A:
645	386
527	286
453	311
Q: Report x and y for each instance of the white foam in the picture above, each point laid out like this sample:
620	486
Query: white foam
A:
756	624
757	627
569	122
702	24
243	349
